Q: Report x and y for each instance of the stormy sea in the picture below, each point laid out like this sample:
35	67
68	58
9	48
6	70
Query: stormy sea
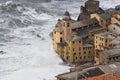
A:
26	51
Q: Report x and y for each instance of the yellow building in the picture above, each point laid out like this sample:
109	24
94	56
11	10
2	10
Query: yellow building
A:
75	48
74	51
57	35
77	41
101	41
68	43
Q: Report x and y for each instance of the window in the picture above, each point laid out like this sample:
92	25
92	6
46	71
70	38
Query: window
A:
74	53
114	28
96	46
68	24
55	32
73	42
60	39
73	49
67	58
89	52
96	41
79	53
102	21
76	57
106	41
79	41
84	52
79	48
60	32
84	57
113	58
110	59
117	57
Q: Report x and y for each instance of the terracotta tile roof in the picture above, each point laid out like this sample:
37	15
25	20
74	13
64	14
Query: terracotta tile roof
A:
115	76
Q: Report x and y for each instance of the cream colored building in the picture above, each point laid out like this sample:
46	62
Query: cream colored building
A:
114	28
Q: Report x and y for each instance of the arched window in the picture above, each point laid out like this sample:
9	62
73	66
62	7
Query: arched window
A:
68	24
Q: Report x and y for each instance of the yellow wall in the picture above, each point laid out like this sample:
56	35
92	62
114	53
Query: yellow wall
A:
100	42
76	52
88	54
73	50
56	39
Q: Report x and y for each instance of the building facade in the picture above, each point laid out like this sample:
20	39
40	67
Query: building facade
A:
78	41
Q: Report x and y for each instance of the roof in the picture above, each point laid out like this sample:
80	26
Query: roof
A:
117	7
114	76
105	16
66	13
89	72
112	52
110	68
85	31
74	38
58	29
87	45
105	35
92	71
62	44
58	26
83	23
113	10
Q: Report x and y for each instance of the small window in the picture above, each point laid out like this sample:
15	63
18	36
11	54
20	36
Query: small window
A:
73	49
96	46
106	41
96	41
84	52
60	39
73	42
117	57
110	59
79	53
76	57
79	41
88	57
55	32
74	53
89	52
92	34
84	57
67	58
68	24
114	28
79	48
113	58
60	32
